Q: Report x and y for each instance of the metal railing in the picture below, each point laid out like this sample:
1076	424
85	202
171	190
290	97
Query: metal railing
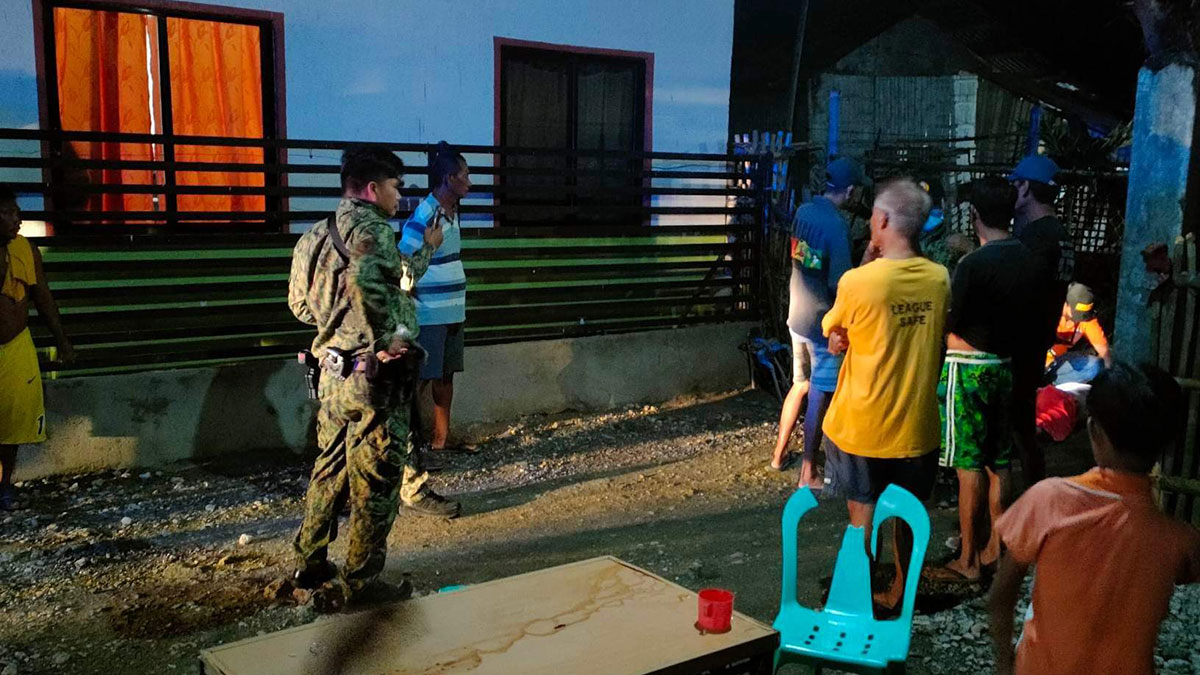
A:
575	243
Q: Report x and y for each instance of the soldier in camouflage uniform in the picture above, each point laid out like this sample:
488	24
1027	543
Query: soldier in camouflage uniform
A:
354	299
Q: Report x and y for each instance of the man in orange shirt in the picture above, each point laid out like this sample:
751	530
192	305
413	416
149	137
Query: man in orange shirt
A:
1078	321
1107	560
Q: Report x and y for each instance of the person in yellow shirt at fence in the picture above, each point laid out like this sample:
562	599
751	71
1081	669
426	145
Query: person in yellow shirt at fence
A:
22	412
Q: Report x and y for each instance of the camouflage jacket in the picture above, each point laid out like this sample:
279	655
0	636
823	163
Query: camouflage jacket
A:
356	305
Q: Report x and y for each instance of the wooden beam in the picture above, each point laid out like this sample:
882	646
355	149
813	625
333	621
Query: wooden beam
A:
1185	486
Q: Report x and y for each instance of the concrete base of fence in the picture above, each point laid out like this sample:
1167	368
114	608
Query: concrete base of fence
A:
158	417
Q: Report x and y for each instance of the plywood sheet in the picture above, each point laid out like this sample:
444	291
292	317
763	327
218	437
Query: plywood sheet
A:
595	616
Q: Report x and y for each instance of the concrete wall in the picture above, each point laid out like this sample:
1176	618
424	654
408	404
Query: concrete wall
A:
153	418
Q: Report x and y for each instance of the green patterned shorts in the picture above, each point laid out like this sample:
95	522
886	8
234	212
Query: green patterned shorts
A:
973	397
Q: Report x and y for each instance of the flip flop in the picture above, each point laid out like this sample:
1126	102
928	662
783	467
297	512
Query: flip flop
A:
460	447
947	575
816	491
788	460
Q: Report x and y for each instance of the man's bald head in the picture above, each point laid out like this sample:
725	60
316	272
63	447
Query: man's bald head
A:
906	205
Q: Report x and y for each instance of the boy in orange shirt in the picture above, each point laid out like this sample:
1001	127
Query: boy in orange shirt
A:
1107	559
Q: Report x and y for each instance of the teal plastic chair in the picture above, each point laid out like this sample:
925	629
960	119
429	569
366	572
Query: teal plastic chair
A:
845	634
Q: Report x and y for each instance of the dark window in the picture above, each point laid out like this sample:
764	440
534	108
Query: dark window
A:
568	100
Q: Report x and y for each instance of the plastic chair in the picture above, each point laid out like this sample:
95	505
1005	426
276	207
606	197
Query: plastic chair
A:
845	634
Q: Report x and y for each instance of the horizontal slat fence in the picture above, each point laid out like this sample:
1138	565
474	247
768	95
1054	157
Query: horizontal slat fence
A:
168	289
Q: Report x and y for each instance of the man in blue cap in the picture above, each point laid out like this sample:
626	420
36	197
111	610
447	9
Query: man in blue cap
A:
820	255
1036	224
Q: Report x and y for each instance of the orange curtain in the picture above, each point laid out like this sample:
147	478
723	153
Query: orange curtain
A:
104	85
216	90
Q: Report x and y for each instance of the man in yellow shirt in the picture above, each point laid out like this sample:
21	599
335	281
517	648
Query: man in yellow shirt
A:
889	318
22	413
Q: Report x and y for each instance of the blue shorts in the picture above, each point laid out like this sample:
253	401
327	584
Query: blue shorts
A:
863	479
825	368
444	343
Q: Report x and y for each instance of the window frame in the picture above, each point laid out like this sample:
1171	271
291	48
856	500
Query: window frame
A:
500	43
271	58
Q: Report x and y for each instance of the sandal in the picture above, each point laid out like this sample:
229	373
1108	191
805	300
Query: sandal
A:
8	500
816	491
946	574
789	459
461	447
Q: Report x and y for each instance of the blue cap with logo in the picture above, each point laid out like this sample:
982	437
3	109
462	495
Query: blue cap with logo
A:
842	173
1035	168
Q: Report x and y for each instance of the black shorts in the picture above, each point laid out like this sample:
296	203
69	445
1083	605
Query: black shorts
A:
863	479
444	344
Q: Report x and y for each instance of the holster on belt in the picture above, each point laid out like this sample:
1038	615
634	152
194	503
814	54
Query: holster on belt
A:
312	372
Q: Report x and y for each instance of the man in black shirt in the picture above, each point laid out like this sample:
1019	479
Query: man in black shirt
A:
1037	226
991	320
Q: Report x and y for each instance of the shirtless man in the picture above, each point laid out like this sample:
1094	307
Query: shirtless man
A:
22	415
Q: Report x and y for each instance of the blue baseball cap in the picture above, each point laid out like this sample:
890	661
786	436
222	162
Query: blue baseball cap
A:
842	173
1035	168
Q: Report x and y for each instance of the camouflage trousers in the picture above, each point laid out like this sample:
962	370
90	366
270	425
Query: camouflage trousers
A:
366	459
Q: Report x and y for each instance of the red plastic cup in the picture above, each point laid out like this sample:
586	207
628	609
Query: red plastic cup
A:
715	611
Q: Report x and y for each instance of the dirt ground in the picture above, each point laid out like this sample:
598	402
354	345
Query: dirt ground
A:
134	572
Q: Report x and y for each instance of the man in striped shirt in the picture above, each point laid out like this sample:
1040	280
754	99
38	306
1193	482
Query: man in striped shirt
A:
439	287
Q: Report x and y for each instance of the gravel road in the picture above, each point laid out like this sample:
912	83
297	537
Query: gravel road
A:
136	571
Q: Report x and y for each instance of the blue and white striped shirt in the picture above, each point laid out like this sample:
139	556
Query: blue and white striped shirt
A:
441	293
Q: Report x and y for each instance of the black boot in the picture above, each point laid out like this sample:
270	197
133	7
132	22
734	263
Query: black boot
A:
430	503
312	576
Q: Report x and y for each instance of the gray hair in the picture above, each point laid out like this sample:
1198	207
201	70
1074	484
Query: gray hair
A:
906	204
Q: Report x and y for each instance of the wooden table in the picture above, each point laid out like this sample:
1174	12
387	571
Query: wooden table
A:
594	616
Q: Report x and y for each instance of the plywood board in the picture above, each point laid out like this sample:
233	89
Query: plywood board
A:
595	616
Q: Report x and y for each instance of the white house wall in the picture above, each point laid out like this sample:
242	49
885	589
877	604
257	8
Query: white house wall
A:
423	70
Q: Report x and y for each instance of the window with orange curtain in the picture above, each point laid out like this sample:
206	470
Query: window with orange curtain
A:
110	77
106	66
216	90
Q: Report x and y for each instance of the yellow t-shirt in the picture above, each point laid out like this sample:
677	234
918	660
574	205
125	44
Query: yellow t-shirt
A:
20	273
894	312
